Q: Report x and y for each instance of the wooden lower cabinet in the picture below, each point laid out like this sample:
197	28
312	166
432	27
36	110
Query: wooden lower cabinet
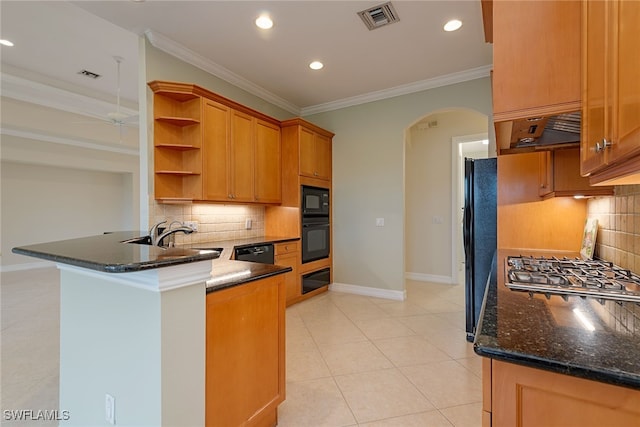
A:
286	254
527	397
245	357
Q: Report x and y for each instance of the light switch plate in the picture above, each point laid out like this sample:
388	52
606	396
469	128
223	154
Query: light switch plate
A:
110	409
379	222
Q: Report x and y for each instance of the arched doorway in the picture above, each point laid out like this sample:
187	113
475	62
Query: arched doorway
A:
434	146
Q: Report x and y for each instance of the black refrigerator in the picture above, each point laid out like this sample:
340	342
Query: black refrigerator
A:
479	233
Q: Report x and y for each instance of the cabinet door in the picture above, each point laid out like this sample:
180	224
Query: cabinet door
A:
528	397
244	373
625	70
287	254
536	58
596	109
323	156
216	131
242	156
268	183
307	153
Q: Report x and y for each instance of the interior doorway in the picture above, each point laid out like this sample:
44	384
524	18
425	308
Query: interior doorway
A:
473	147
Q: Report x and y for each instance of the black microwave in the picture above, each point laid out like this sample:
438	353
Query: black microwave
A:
315	201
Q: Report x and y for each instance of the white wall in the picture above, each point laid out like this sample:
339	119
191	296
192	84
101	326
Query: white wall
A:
368	178
62	179
46	203
429	216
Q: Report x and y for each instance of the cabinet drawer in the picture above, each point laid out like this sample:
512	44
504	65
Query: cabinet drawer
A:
286	248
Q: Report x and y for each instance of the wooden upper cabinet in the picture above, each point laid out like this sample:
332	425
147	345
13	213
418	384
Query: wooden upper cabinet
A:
315	155
559	175
268	163
536	58
611	91
216	130
242	157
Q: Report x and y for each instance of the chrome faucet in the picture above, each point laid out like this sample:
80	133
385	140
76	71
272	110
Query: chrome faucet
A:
184	229
153	232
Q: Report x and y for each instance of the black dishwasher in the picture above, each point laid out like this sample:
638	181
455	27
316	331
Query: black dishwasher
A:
259	253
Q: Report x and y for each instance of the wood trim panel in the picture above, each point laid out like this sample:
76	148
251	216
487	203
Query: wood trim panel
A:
487	19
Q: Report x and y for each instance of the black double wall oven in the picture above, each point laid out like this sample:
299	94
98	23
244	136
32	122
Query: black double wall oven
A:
316	229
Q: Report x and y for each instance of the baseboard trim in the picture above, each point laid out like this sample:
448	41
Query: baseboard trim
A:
368	291
26	266
422	277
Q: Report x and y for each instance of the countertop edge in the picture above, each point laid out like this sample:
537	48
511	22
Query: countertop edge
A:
494	350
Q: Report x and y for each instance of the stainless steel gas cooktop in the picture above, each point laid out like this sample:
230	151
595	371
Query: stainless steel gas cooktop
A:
567	276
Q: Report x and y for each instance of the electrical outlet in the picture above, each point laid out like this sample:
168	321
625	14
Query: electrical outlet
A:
247	224
192	224
379	222
110	409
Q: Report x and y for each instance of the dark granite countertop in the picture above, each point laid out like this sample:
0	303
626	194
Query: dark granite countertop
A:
226	274
107	253
547	334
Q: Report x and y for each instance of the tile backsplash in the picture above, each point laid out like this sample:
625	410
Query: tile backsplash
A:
618	217
215	222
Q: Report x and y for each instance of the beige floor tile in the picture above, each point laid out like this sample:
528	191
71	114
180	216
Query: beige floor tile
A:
428	323
314	403
438	305
354	357
328	333
445	383
386	327
401	308
465	415
408	351
473	364
357	307
457	318
300	341
306	365
424	419
453	342
381	394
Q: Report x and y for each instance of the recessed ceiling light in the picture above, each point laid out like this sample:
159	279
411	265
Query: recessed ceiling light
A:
453	25
5	42
316	65
264	22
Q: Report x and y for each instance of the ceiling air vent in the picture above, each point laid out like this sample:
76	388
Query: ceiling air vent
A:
89	74
379	16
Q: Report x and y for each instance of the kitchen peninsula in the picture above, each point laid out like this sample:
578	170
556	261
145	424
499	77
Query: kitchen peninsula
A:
140	328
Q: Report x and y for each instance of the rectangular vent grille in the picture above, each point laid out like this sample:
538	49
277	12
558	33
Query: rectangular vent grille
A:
89	74
568	122
379	16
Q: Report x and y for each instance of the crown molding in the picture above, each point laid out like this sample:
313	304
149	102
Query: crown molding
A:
446	80
185	54
49	96
37	136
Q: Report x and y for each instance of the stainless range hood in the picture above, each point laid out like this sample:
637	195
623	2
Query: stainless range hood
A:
539	133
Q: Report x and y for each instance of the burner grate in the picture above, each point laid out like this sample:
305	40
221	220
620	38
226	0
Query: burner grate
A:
567	276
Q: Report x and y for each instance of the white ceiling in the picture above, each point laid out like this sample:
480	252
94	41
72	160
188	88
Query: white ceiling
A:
58	39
